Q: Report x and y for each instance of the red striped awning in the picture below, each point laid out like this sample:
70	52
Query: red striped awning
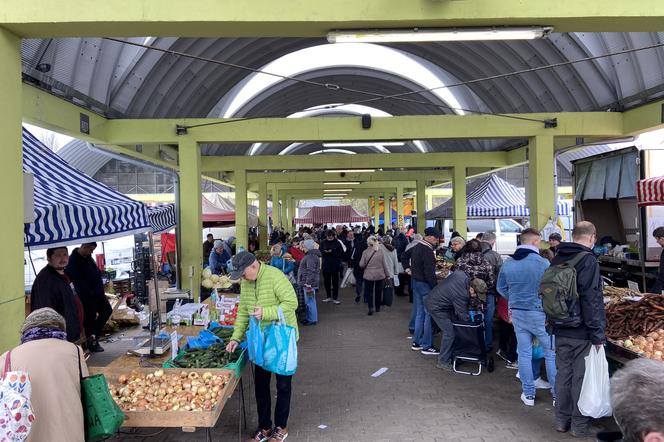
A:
650	192
331	214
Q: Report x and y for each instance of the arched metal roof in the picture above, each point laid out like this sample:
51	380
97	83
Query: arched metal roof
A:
126	81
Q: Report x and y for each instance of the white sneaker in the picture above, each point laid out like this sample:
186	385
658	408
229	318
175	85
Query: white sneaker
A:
528	400
336	301
517	375
327	300
541	384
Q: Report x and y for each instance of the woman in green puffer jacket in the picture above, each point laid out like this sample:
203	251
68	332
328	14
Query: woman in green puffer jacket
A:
264	289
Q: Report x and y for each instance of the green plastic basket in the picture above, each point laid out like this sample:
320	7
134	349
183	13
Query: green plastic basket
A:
103	417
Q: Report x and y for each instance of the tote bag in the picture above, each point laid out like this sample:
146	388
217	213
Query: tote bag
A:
16	415
102	416
280	350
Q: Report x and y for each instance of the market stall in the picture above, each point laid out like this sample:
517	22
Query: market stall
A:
319	215
181	387
492	198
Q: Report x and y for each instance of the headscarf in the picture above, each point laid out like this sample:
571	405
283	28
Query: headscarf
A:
43	323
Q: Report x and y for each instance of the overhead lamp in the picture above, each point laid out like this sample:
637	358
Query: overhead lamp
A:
340	183
365	144
349	170
414	35
333	197
337	190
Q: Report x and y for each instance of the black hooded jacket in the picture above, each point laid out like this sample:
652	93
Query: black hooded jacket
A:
591	299
50	289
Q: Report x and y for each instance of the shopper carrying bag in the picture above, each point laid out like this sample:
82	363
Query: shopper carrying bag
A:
280	350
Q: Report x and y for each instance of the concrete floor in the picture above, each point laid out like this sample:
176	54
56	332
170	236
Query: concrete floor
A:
412	401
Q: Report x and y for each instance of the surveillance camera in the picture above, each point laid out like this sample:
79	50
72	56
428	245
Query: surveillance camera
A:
342	174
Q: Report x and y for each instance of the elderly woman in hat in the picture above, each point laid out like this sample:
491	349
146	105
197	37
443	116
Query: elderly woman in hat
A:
219	257
54	366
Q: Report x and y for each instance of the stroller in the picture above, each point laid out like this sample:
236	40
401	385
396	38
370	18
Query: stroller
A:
469	345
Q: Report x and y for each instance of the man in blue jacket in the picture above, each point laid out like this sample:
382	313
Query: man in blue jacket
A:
573	343
519	282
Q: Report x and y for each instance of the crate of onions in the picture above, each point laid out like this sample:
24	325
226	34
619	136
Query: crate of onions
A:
166	397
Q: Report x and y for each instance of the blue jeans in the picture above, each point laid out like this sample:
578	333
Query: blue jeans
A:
529	324
312	309
423	332
411	324
359	281
488	321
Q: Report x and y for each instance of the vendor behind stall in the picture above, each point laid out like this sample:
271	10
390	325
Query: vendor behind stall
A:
659	284
85	275
219	257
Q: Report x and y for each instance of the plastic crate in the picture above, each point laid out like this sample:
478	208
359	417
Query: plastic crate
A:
236	366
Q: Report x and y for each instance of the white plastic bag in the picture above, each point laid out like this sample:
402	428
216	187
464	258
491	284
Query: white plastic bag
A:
595	399
348	279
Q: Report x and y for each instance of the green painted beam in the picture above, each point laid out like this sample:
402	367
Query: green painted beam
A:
410	127
541	192
313	18
307	177
376	185
359	161
47	111
12	299
644	118
191	220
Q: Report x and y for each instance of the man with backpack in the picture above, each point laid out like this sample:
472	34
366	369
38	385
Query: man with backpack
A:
578	321
519	283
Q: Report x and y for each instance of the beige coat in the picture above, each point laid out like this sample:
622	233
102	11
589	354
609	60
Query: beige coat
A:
374	265
56	390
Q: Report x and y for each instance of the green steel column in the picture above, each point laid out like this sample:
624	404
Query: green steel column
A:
241	216
459	208
385	211
420	204
262	213
12	300
191	219
291	213
276	207
540	180
376	212
286	212
400	206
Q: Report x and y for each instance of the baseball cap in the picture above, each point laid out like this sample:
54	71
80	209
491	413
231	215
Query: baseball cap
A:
555	236
240	263
432	231
480	288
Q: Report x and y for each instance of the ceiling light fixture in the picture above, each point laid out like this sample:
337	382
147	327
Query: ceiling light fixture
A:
365	144
437	34
340	183
349	170
337	190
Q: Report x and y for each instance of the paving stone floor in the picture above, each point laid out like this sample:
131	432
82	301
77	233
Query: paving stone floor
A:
412	401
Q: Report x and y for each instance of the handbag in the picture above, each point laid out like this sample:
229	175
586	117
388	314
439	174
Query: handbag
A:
280	350
102	417
255	341
16	413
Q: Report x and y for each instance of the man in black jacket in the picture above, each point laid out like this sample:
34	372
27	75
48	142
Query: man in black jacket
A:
359	246
448	301
52	288
420	263
659	284
400	243
573	343
87	280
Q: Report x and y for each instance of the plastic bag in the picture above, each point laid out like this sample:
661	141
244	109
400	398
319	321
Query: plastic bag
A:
280	351
348	278
204	339
255	341
595	399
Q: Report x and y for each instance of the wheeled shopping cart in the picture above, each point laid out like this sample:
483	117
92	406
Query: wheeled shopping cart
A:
468	347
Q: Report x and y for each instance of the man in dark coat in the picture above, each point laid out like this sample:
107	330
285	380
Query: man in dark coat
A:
447	301
359	246
207	248
574	343
86	277
333	252
52	288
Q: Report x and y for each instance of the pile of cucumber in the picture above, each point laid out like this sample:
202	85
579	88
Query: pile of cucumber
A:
215	356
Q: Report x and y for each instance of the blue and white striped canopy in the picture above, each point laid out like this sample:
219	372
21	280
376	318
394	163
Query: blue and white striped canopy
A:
71	207
162	218
493	198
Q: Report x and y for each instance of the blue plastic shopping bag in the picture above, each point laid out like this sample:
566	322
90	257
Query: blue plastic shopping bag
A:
255	341
280	350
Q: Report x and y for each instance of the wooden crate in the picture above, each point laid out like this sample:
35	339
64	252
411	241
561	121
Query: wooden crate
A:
188	420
